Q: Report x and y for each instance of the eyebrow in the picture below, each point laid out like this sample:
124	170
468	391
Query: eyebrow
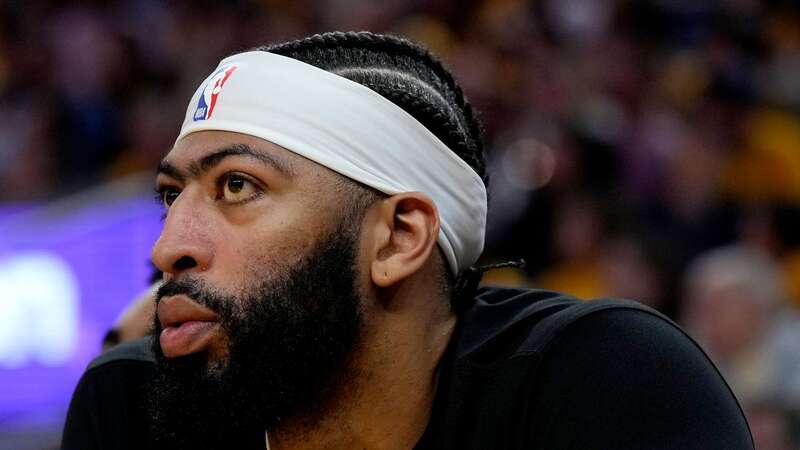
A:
206	163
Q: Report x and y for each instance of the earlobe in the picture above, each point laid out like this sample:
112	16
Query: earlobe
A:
411	226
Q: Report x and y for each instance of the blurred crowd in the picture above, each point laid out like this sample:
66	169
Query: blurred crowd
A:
647	149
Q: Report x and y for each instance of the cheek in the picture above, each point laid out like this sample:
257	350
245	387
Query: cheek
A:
266	237
254	254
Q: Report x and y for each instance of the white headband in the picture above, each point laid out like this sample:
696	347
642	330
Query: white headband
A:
348	128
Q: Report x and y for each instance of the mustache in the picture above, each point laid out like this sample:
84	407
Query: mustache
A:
191	287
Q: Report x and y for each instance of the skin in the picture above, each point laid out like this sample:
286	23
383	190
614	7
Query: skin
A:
227	232
136	320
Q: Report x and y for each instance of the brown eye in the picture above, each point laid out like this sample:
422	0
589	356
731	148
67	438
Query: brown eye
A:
237	188
235	184
168	196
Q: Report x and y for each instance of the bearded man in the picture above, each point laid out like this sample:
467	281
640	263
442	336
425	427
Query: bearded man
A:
325	203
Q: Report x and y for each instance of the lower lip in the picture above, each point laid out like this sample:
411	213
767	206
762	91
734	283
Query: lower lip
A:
186	338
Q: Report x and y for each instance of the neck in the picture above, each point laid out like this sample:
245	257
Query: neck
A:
386	401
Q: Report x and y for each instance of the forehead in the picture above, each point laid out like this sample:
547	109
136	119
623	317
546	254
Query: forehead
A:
196	146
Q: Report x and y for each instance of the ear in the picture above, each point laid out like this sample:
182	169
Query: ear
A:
406	231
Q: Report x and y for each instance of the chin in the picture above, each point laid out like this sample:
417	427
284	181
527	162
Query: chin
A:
216	366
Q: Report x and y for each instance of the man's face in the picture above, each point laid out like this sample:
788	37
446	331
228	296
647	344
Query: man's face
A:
260	310
244	204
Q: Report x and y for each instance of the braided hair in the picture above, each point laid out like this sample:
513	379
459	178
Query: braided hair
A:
409	76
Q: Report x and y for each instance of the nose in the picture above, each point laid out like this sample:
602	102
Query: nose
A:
185	244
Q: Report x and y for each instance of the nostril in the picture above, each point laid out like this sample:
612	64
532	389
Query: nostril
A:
185	262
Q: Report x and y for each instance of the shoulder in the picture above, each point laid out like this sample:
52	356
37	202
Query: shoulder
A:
631	378
107	409
562	373
525	320
119	374
137	351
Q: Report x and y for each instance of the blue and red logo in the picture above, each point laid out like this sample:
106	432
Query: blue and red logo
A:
210	93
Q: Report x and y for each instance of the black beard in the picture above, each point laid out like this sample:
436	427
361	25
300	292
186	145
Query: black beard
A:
289	342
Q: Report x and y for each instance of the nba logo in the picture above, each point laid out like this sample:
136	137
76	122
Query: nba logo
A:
210	93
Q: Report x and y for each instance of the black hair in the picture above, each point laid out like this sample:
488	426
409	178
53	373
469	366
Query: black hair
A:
409	76
403	72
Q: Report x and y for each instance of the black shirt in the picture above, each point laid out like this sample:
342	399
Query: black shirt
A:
526	369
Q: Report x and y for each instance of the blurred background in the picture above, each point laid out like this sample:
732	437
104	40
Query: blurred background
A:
645	149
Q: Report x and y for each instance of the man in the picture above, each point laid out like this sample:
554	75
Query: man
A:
136	319
325	202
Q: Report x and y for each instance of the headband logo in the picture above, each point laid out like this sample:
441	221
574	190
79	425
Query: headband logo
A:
210	93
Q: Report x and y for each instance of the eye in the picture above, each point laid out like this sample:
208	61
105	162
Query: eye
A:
166	195
239	188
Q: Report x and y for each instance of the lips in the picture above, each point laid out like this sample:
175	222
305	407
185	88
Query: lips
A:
187	327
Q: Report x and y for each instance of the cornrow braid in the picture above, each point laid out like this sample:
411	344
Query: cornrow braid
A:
409	76
406	74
